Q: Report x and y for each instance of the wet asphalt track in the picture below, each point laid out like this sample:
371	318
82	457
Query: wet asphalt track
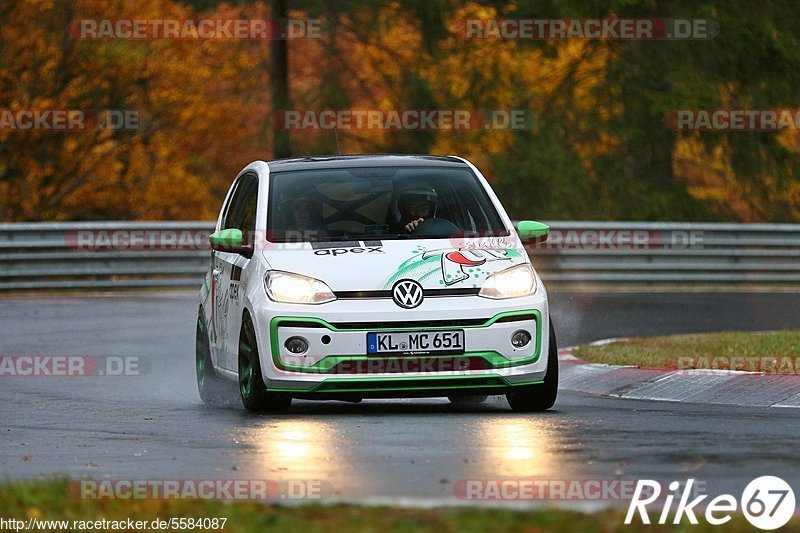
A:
154	426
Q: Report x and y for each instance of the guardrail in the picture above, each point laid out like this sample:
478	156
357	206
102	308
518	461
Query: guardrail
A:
111	255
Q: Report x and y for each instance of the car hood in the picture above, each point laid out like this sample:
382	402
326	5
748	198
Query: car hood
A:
377	265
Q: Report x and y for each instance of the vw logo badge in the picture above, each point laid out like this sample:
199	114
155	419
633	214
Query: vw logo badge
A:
407	293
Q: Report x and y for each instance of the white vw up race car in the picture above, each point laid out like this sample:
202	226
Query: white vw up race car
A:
355	277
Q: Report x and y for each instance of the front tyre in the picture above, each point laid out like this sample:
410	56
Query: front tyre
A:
213	389
252	389
542	396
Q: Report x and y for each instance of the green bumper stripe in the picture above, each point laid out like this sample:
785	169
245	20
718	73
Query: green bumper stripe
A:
322	366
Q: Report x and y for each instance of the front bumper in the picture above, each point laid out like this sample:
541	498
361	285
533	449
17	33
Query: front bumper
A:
336	363
408	387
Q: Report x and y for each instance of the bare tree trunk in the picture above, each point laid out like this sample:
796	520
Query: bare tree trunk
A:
279	79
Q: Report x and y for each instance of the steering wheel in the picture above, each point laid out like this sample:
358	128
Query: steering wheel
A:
440	227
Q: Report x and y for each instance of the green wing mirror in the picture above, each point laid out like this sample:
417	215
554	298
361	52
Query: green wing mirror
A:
529	230
230	240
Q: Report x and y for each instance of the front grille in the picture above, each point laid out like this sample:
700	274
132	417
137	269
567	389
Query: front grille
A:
401	365
419	324
427	293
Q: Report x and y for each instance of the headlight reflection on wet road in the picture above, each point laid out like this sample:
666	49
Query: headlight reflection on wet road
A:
519	446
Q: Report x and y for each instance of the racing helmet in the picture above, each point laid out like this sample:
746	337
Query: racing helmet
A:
300	198
414	191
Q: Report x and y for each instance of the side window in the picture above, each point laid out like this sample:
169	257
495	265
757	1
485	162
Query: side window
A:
242	209
226	209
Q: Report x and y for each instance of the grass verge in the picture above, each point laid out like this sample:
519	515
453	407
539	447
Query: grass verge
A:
774	352
50	501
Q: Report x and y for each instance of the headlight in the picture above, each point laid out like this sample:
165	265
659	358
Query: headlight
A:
510	283
291	288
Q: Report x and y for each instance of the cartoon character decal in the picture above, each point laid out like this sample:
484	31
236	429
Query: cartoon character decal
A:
455	265
459	265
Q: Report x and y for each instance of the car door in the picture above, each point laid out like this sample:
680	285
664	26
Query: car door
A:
227	275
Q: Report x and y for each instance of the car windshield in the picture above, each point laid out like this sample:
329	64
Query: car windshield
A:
379	203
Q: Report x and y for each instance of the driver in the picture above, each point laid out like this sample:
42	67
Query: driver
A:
416	203
303	216
305	210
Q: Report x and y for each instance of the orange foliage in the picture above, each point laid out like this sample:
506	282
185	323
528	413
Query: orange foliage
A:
204	102
207	107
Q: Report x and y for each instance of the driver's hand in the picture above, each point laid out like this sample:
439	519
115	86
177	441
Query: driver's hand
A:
411	226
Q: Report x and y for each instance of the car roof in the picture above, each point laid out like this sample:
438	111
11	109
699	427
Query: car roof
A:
362	161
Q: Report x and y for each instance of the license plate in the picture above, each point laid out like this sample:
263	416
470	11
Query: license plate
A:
416	342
